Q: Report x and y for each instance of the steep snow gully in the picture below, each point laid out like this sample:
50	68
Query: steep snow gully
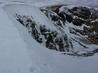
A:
20	53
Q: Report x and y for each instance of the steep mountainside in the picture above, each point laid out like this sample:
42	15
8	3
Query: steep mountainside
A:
37	38
79	24
68	29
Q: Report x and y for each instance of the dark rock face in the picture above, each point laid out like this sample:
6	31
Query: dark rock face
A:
74	24
69	18
79	17
77	22
43	35
82	12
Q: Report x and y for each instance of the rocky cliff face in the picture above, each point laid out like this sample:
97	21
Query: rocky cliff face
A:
78	29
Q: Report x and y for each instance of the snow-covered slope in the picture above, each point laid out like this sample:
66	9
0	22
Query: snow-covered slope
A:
91	3
21	0
52	34
14	57
20	53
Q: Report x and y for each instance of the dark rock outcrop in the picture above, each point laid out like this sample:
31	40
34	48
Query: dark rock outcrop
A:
78	26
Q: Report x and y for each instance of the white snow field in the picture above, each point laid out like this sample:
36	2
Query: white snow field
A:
20	53
13	53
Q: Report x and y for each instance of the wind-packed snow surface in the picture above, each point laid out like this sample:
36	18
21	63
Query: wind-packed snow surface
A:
20	53
14	57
